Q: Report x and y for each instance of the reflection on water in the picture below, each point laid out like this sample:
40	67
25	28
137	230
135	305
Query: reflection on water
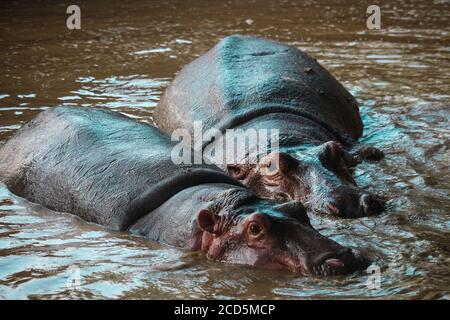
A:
400	76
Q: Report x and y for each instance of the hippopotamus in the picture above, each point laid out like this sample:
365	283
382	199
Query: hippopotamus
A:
246	82
114	171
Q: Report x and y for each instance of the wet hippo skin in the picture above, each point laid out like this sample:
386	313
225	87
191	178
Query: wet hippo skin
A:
111	170
246	82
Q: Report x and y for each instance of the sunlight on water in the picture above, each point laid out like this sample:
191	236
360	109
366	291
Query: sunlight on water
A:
399	75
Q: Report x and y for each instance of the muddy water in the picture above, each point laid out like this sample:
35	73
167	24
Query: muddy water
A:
122	59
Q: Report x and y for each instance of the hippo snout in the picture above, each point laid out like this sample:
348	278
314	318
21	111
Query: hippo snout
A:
347	261
308	252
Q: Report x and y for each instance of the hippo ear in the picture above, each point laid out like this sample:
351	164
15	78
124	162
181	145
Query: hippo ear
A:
332	153
237	171
207	220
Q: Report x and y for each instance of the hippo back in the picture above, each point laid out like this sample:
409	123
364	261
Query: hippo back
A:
97	164
243	77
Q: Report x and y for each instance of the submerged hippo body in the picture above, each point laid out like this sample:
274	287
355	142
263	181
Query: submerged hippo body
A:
111	170
246	82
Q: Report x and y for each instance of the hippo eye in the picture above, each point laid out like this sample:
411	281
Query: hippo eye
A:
255	229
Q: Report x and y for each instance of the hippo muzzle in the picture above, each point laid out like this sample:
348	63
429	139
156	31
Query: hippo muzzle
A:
310	253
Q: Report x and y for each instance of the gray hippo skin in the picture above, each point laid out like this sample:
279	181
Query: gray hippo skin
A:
111	170
247	82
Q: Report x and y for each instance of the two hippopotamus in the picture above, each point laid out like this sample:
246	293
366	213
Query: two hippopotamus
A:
114	171
109	169
245	83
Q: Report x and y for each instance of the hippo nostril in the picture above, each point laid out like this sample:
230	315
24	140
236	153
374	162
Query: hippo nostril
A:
348	260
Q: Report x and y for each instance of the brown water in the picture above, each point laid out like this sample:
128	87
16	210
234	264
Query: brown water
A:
124	56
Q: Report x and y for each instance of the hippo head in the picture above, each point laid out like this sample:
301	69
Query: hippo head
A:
274	238
322	181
